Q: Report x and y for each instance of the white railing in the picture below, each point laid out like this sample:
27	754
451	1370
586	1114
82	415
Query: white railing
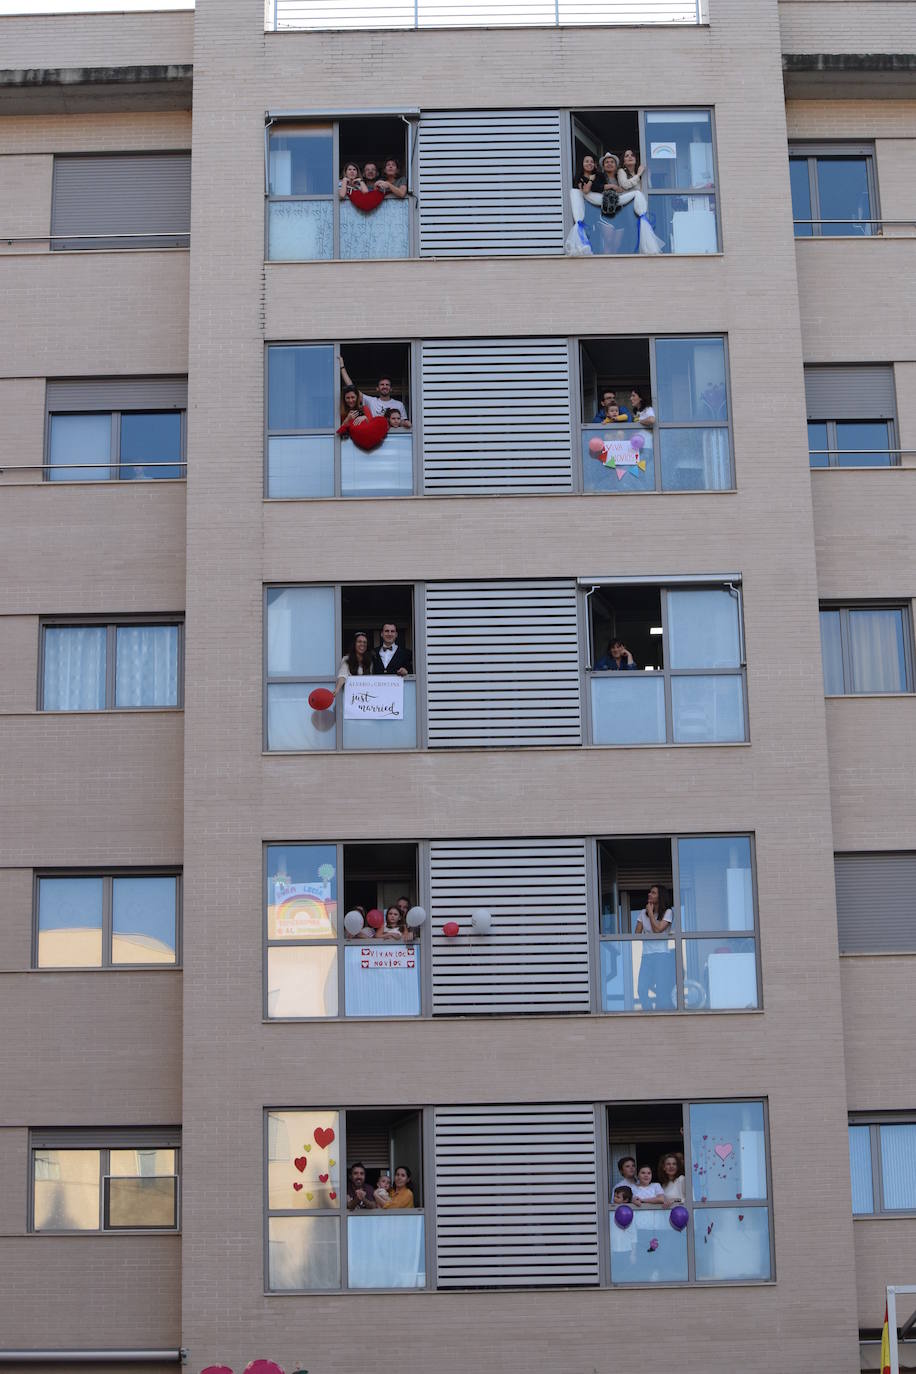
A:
474	14
906	1331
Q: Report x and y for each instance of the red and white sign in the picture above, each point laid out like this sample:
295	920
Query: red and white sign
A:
388	956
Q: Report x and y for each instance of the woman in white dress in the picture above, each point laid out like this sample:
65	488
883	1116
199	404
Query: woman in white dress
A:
671	1177
629	179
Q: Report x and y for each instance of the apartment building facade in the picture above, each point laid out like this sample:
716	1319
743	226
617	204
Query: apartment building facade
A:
200	1042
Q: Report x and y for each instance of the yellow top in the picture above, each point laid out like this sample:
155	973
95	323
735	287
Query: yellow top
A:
400	1197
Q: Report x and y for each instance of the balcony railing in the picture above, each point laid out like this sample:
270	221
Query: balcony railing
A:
475	14
856	228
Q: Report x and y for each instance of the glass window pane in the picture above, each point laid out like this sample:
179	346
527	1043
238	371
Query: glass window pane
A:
67	1190
860	1172
684	224
619	970
301	388
654	965
612	236
731	1244
80	439
628	708
728	1151
303	1253
152	438
382	979
300	632
293	724
147	665
634	1259
703	629
302	1146
74	668
832	653
679	152
618	459
801	196
388	733
707	710
898	1166
863	444
300	466
301	160
386	1251
386	471
69	922
301	891
877	650
691	379
720	974
383	233
143	1203
301	981
818	444
300	230
695	460
716	888
842	188
143	920
142	1163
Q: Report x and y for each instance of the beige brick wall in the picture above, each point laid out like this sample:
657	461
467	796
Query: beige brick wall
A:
22	400
872	755
876	1020
98	40
25	194
885	1254
847	26
94	132
835	328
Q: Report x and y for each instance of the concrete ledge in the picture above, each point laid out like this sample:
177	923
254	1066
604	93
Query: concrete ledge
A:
65	90
867	76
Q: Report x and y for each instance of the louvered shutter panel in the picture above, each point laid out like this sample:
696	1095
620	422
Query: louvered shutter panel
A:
474	193
496	415
146	194
401	14
850	393
502	664
536	957
876	903
516	1196
118	393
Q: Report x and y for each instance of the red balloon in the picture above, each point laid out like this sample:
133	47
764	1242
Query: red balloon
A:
451	929
595	446
321	698
375	919
263	1367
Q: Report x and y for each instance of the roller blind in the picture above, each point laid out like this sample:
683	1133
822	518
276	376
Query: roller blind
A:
105	1138
137	194
502	664
850	393
516	1196
118	393
876	903
536	957
475	195
496	415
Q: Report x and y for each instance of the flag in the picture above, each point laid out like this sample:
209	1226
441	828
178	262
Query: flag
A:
885	1346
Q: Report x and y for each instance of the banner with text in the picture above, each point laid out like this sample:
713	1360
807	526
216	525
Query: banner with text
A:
374	698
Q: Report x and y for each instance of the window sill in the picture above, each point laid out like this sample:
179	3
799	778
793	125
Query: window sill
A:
884	1216
494	496
526	1018
484	257
878	954
477	748
90	1235
868	696
533	1291
95	968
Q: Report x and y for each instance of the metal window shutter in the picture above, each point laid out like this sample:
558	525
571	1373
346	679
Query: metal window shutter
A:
496	415
117	393
502	664
876	903
536	957
471	194
516	1196
850	393
135	193
105	1138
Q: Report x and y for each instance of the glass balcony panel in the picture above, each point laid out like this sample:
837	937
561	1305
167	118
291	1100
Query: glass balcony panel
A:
386	471
303	1253
300	465
634	1257
302	892
386	1250
731	1244
618	459
638	975
301	981
382	979
69	922
860	1171
695	460
609	237
685	224
388	733
728	1151
628	708
300	230
708	710
293	724
720	975
380	233
300	632
148	441
854	440
818	443
716	888
301	1146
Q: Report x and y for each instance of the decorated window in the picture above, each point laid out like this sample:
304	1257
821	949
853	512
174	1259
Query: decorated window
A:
116	920
345	1200
882	1165
344	931
689	1193
115	1180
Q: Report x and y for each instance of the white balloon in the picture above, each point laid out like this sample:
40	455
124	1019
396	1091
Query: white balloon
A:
353	922
415	917
481	922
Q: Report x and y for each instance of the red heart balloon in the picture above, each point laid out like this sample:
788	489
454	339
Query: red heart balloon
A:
367	200
320	698
297	1187
368	434
300	1163
323	1136
322	1178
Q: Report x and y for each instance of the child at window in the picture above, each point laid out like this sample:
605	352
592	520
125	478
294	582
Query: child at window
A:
383	1188
622	1194
647	1193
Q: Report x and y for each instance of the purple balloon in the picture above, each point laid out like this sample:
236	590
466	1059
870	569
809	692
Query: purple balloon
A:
637	441
623	1216
679	1217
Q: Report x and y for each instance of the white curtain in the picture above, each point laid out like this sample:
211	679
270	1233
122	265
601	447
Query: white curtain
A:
380	233
385	1251
898	1166
876	645
74	669
147	665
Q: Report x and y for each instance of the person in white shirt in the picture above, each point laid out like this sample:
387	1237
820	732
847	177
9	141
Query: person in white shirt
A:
657	970
671	1177
642	411
626	1168
647	1193
383	401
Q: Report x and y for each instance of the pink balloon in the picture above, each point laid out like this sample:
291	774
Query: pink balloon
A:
637	441
595	446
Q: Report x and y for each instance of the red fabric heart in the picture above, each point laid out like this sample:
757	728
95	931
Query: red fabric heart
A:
368	434
367	200
300	1163
297	1187
323	1137
322	1178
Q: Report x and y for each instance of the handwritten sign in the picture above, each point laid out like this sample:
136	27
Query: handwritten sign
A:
388	956
301	909
374	698
620	453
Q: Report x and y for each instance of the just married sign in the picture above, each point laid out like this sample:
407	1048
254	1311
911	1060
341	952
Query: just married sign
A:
374	698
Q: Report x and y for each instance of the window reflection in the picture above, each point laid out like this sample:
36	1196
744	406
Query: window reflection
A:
143	920
66	1190
69	922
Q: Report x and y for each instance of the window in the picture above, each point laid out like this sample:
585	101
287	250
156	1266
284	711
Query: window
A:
311	634
119	1180
704	957
408	14
120	428
867	887
851	417
307	391
833	190
121	666
674	208
866	649
117	920
316	965
682	652
711	1159
308	162
345	1200
882	1165
121	200
680	388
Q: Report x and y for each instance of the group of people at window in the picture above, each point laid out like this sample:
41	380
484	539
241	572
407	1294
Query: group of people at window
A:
366	180
365	408
390	659
388	1193
611	184
610	412
395	925
636	1187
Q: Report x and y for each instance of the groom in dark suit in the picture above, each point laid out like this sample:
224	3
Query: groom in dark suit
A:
389	656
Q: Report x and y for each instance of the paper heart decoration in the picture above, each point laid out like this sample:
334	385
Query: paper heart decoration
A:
297	1187
738	1196
332	1162
332	1195
310	1196
324	1136
322	1178
300	1163
723	1151
306	1148
740	1216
